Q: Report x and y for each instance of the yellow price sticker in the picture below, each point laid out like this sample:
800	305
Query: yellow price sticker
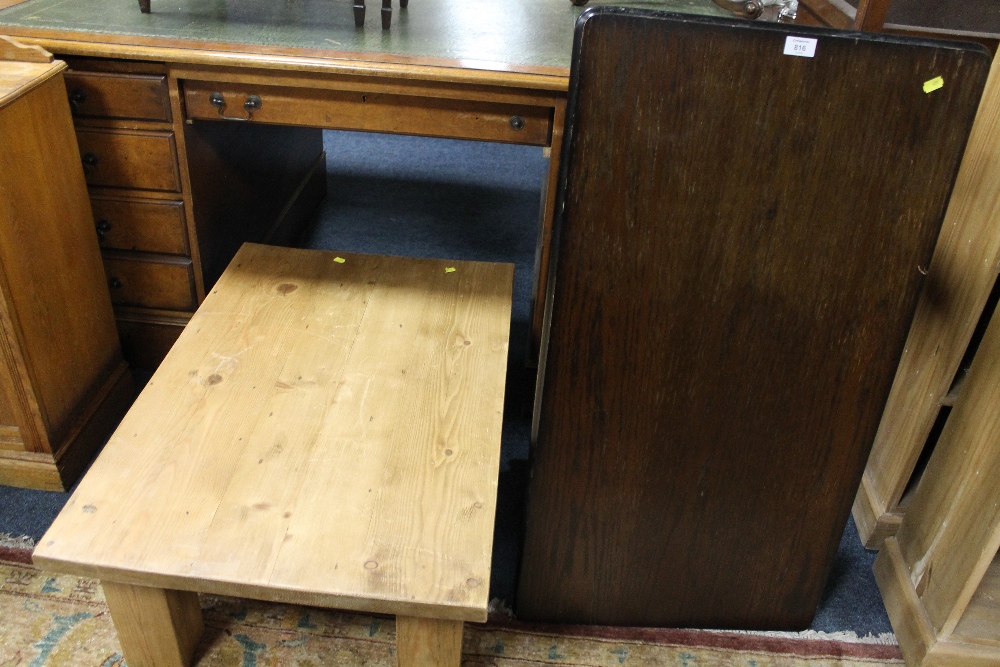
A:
934	84
450	269
339	260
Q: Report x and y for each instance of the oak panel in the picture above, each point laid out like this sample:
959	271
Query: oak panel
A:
734	279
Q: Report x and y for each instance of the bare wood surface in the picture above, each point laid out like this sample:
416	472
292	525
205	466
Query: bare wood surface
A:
428	642
323	432
958	284
18	78
12	50
156	627
910	623
980	621
951	533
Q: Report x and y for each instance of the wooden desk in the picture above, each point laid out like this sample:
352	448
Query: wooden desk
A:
472	70
326	432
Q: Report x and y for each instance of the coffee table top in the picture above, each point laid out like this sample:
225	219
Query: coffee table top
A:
326	431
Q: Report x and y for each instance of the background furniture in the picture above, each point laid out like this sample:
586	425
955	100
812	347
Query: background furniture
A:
729	306
173	201
63	383
325	432
940	574
957	301
504	81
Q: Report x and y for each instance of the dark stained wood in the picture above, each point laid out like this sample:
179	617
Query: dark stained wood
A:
743	240
146	340
251	183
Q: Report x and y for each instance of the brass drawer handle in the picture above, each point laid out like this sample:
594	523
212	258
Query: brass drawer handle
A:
253	103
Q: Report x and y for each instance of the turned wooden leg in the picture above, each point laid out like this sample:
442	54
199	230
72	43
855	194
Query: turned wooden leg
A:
428	642
386	14
156	627
359	13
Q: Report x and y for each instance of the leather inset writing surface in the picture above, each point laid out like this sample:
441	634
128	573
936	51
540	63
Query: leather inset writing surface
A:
743	239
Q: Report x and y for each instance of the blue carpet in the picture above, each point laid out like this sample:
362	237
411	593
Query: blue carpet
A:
473	201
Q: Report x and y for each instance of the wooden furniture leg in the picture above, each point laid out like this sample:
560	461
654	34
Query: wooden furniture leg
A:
386	14
156	627
144	6
428	642
359	13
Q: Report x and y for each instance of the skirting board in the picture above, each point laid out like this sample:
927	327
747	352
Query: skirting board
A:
47	472
917	638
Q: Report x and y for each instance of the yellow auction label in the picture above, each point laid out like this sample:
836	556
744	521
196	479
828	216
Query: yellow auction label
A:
933	84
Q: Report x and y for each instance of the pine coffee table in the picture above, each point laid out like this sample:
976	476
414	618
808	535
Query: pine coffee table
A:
325	432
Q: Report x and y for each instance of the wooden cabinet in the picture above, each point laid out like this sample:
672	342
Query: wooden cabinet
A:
960	278
940	574
173	201
63	383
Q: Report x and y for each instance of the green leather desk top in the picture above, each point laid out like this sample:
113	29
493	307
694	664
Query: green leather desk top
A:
506	35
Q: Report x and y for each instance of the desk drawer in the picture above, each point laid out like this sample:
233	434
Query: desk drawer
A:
375	112
166	283
140	224
129	159
100	95
146	341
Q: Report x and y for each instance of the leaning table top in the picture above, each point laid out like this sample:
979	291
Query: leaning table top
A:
324	432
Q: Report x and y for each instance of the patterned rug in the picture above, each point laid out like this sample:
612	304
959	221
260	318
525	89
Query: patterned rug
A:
50	620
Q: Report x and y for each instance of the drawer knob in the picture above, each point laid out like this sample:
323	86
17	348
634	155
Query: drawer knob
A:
253	102
89	160
103	227
76	99
516	123
114	283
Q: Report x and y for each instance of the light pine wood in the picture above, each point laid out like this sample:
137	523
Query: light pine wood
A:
17	78
13	50
427	642
63	381
951	534
323	433
156	627
960	277
939	575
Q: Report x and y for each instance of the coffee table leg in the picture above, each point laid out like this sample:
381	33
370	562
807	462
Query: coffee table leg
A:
156	627
428	642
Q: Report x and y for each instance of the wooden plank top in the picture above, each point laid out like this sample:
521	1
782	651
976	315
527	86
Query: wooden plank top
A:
323	433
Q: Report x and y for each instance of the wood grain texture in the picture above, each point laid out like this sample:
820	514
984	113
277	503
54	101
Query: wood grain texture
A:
105	95
735	279
12	50
17	78
979	623
958	285
129	159
370	111
156	627
428	642
57	313
951	533
323	433
151	281
129	223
